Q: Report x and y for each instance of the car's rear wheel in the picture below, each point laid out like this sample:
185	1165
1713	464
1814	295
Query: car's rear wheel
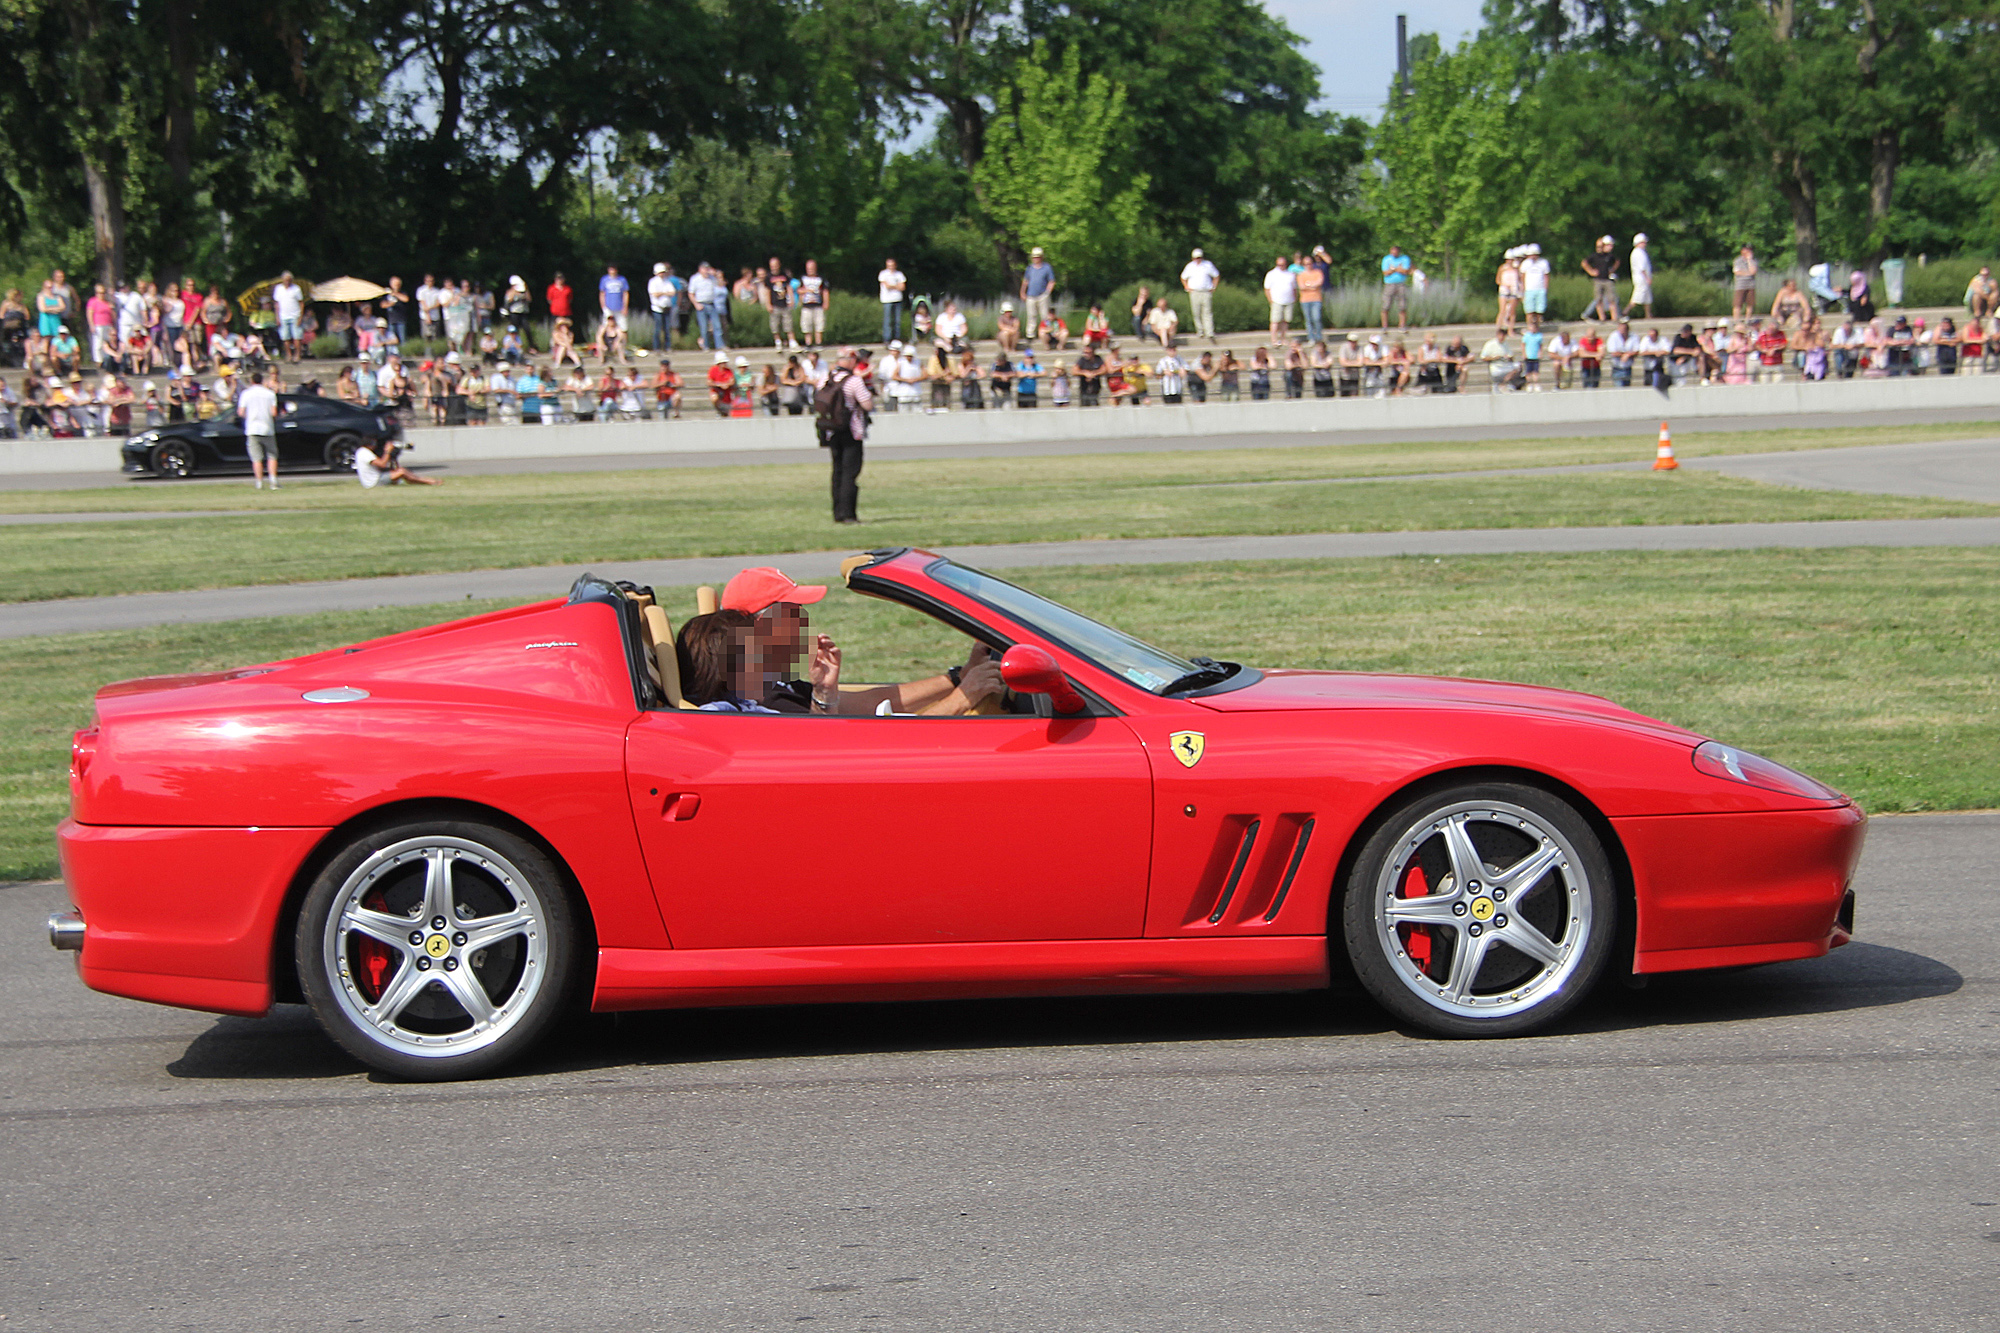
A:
437	950
1485	910
340	452
174	458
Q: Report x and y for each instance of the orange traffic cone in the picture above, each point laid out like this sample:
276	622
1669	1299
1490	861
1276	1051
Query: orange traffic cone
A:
1664	462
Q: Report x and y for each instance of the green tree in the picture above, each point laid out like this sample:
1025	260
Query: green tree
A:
1053	171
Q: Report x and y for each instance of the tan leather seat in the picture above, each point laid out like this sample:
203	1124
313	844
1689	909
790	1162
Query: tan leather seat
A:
662	662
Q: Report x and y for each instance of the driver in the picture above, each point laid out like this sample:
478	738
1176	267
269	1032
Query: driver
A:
779	606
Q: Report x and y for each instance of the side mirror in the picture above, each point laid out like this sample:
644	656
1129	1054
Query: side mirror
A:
1028	669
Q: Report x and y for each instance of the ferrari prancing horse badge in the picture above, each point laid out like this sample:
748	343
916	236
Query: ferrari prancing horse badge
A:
1187	747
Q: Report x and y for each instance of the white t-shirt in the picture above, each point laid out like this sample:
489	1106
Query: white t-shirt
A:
1169	369
1282	286
1654	345
660	291
951	324
1621	343
1642	264
131	313
259	409
291	301
1848	335
427	298
892	282
1200	275
367	468
1534	274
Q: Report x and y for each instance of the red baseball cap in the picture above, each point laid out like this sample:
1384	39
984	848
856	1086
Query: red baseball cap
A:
754	590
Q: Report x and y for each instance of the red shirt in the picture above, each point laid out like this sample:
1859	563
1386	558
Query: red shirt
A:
1771	345
558	300
1592	349
721	376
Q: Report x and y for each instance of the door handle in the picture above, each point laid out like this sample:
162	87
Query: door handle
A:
681	806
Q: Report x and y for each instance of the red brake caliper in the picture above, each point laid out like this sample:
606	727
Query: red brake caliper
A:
1417	939
375	959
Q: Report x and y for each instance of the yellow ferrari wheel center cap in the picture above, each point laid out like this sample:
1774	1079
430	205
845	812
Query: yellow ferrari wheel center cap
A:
1482	909
437	946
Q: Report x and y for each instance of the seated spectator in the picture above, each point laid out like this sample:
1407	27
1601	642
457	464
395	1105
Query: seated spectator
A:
1055	333
1260	375
1173	375
667	389
1163	323
1008	334
1027	379
1090	369
1503	371
1096	328
721	384
1230	375
938	370
1201	376
373	468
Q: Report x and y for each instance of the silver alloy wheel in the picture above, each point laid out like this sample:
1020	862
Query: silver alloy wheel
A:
436	946
1504	915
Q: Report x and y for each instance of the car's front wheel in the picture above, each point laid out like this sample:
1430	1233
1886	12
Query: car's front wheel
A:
175	458
1485	910
437	950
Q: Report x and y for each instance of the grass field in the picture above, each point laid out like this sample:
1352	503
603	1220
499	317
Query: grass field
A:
1870	669
333	529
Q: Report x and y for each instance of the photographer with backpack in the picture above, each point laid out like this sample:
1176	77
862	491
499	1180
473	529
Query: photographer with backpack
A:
840	413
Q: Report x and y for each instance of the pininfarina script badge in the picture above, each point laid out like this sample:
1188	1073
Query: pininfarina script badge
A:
1187	747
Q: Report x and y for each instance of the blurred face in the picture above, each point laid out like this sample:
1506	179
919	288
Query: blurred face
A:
780	637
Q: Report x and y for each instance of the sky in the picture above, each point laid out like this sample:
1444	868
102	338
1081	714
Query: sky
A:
1354	43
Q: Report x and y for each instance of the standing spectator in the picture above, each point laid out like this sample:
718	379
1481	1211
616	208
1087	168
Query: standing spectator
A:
1507	280
214	316
559	297
258	410
1199	279
103	318
814	296
395	309
515	303
614	297
701	295
775	292
1038	286
290	300
1602	267
891	283
661	296
427	308
841	412
1860	302
1534	286
1396	287
1312	291
1281	289
1982	293
132	312
71	307
1743	283
1642	277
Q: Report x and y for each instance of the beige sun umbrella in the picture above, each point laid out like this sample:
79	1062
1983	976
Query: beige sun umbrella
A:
347	289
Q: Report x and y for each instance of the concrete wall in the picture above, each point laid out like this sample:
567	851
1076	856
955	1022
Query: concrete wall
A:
1319	417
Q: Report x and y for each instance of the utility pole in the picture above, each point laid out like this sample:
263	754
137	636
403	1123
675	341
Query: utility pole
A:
1402	56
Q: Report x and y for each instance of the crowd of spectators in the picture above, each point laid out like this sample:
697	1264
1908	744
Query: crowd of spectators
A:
140	354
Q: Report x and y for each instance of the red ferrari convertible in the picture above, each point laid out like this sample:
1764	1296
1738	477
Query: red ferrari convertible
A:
442	839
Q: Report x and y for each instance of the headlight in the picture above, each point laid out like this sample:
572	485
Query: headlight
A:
150	438
1727	762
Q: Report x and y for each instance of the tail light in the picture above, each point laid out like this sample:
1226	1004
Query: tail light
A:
82	749
1734	765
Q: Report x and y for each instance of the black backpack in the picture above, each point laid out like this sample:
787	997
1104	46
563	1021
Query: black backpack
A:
833	410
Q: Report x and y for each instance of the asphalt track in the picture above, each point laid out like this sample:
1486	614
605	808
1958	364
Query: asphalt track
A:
1806	1146
1639	428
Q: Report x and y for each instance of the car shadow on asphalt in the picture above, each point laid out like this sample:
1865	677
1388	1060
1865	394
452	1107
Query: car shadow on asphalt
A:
1858	976
288	1044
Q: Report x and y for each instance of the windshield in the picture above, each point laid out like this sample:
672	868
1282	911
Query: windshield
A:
1116	651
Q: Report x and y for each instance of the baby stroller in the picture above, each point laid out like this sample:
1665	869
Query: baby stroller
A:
1819	282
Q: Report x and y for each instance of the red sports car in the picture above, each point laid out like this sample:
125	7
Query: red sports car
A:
441	839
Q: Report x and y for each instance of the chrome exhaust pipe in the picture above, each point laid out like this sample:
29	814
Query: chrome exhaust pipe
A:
66	930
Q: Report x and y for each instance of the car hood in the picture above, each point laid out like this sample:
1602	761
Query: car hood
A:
1279	691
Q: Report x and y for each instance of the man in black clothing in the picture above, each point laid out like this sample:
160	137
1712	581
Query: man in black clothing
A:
1601	265
843	429
1089	376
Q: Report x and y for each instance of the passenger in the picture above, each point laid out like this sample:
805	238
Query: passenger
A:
779	606
721	663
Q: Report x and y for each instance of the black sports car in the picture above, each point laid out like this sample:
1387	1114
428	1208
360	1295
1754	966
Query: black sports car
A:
313	432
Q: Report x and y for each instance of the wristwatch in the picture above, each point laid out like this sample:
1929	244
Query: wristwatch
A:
953	674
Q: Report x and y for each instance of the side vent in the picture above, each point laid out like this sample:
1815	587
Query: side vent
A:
1235	872
1291	870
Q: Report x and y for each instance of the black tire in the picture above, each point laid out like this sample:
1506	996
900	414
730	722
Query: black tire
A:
1509	882
340	452
411	998
174	458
